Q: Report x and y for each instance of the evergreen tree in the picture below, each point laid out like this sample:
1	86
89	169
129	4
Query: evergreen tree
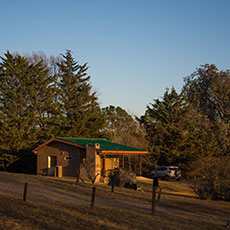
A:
81	112
26	102
164	122
176	132
48	106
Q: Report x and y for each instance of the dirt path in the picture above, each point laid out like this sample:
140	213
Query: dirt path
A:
12	186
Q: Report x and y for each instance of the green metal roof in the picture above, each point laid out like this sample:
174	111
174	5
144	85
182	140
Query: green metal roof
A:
105	145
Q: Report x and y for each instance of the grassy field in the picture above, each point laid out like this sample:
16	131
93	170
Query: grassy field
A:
60	204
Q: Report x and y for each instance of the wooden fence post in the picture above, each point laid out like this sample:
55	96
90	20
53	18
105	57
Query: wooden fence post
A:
155	185
93	197
25	191
153	201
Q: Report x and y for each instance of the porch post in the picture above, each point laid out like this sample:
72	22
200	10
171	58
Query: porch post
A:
140	165
123	161
130	168
104	166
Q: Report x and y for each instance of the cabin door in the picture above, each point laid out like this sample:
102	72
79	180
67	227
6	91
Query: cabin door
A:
52	163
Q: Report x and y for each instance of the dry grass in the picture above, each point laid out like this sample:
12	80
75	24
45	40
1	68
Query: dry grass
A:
59	204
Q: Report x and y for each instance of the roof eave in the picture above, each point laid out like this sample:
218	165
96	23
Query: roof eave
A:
108	152
58	140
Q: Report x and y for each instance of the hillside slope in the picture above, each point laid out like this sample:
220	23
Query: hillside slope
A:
59	204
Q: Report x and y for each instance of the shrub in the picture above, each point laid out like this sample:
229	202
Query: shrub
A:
123	178
211	177
114	177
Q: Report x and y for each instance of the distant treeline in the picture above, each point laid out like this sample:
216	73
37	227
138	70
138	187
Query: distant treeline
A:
44	97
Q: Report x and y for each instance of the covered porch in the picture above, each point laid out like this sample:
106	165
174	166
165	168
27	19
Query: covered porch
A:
131	162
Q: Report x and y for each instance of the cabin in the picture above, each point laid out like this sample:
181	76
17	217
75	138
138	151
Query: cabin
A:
72	157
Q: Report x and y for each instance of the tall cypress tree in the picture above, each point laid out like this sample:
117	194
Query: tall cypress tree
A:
82	116
26	104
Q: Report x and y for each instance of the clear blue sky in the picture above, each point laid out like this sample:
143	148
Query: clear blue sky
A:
135	48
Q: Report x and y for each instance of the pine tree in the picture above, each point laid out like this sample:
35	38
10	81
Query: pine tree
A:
47	106
166	134
26	104
81	112
176	132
